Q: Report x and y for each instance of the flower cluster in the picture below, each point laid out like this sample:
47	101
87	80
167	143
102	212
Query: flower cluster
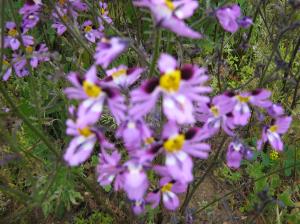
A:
188	118
24	52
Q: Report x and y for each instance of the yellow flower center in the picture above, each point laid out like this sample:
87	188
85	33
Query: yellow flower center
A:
273	128
174	144
87	29
170	81
91	89
215	111
6	63
102	11
86	132
29	49
243	99
62	2
170	4
119	73
12	32
149	140
64	18
167	187
274	155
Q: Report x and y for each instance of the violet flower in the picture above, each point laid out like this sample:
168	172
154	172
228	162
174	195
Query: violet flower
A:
30	14
179	147
104	13
168	189
122	76
37	54
180	87
84	139
90	33
272	134
231	19
108	50
12	41
236	152
94	94
7	68
170	14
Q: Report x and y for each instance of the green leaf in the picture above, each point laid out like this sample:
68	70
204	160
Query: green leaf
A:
285	197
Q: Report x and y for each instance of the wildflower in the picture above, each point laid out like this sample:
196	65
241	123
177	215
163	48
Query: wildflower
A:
94	93
84	139
58	25
272	134
275	110
170	15
216	114
179	147
168	189
109	169
122	76
7	68
236	152
241	110
108	50
12	40
30	14
90	33
231	19
134	133
37	54
103	9
135	180
180	87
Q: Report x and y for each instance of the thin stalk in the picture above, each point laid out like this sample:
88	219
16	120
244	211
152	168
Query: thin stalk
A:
27	122
2	34
220	61
208	170
243	185
156	51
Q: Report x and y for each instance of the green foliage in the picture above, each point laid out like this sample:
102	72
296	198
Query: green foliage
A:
94	218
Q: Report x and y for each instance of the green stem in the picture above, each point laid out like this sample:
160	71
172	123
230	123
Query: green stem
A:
156	52
2	34
27	122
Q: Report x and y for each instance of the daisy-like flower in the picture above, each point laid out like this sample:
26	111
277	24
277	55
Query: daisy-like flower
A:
134	133
103	10
230	18
168	189
170	14
37	54
216	114
241	110
179	147
90	32
94	93
30	13
180	87
12	41
84	139
7	68
109	169
109	49
135	181
122	76
58	25
272	134
236	152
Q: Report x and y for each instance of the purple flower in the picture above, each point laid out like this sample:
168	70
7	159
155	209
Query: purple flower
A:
37	54
236	152
12	40
170	14
19	64
180	87
104	13
109	169
122	76
275	110
216	114
168	189
230	18
30	13
135	180
134	133
94	93
90	33
273	133
83	142
138	206
108	50
179	147
241	110
7	68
